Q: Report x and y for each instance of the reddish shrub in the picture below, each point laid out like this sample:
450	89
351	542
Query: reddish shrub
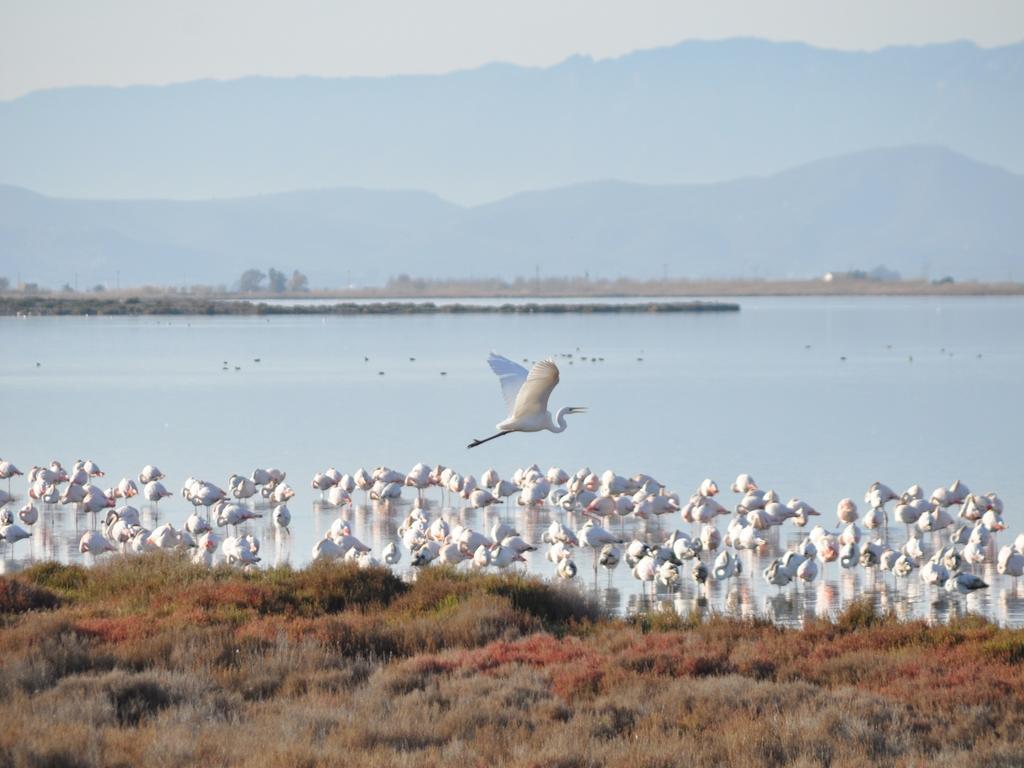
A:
115	629
234	594
577	680
540	650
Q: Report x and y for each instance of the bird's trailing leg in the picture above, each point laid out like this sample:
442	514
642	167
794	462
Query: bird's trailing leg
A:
475	443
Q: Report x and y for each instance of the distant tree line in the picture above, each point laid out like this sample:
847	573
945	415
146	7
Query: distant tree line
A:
403	285
252	281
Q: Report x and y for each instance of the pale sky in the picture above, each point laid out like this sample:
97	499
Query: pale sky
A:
52	43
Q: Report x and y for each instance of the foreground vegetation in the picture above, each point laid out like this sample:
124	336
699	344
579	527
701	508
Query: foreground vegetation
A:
151	661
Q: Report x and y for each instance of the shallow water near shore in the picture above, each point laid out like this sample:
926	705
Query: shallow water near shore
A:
928	392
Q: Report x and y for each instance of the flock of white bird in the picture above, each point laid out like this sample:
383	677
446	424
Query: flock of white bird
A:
942	545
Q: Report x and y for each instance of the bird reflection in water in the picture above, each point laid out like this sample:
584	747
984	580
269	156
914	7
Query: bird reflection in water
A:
1011	605
782	608
611	599
941	609
825	600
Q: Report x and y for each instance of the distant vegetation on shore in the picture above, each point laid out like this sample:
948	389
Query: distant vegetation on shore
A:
152	661
56	304
835	284
399	294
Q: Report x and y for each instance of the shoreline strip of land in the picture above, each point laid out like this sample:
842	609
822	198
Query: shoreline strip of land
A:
138	306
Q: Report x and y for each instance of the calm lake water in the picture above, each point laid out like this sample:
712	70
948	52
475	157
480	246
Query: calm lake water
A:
816	397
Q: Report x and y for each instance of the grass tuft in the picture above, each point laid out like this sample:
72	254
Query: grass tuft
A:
17	596
859	614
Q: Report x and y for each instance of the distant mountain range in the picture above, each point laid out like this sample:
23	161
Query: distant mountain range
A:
918	210
693	112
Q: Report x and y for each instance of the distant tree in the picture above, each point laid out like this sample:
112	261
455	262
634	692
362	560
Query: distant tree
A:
251	280
277	280
67	288
4	283
298	282
882	272
98	288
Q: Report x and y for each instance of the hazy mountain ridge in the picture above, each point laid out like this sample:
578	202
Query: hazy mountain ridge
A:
696	111
919	210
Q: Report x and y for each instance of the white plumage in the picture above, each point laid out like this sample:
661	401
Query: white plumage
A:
526	394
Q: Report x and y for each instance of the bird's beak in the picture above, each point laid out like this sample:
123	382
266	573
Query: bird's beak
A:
575	409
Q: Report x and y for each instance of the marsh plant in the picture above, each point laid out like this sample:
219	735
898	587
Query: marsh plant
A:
154	662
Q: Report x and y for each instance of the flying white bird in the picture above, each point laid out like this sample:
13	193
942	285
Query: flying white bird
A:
526	394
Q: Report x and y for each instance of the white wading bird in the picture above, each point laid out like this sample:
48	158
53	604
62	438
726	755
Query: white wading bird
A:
526	394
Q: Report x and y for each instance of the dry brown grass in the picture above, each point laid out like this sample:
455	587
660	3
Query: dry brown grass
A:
152	662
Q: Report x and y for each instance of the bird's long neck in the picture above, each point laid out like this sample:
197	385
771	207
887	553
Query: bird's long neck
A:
560	424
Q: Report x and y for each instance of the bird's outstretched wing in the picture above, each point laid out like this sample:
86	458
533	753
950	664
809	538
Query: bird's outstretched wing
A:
533	396
512	377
